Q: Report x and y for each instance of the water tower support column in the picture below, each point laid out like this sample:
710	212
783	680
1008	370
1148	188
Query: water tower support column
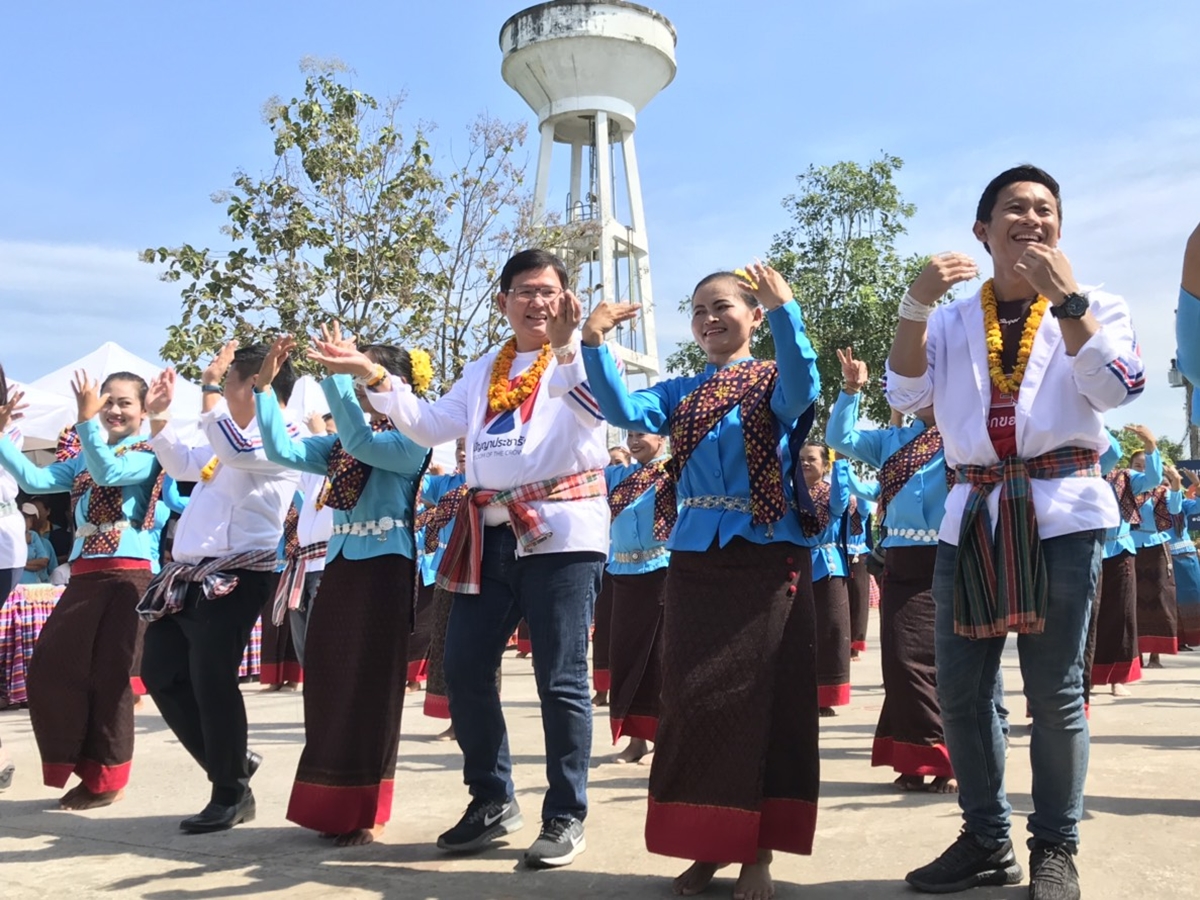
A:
605	213
542	184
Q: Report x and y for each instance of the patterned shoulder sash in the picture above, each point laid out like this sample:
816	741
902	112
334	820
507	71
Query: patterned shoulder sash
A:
1162	516
648	477
347	476
1122	486
105	503
815	521
747	385
899	468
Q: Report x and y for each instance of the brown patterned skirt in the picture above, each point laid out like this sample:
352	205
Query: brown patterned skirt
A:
356	658
421	637
437	701
636	653
909	737
859	587
1116	659
736	766
279	662
80	699
831	602
1157	620
602	635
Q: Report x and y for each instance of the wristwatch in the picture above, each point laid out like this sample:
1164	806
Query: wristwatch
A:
1074	306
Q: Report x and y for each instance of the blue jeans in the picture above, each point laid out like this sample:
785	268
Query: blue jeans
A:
1052	669
555	594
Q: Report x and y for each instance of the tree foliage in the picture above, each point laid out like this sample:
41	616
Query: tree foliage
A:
839	254
1170	450
358	222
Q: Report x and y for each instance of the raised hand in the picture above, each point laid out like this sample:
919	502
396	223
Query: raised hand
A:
339	358
564	314
215	373
1048	271
1171	476
605	318
1149	444
1190	475
941	273
13	409
315	423
87	396
768	286
332	334
161	392
854	371
281	349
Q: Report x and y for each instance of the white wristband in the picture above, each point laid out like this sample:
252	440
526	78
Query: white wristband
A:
914	310
568	349
164	416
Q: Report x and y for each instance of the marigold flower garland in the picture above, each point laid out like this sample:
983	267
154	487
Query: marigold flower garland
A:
210	469
422	370
1008	384
502	398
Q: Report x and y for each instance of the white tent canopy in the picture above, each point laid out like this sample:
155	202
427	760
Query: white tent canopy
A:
52	402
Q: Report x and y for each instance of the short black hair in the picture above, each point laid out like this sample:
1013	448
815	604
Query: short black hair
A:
249	359
3	387
528	261
744	295
1015	175
395	359
142	387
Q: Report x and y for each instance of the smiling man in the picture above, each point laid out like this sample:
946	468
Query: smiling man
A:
1020	374
529	541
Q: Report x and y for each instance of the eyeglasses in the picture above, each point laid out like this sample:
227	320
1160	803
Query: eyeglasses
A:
543	293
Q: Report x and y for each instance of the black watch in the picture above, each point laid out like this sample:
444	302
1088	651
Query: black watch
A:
1074	306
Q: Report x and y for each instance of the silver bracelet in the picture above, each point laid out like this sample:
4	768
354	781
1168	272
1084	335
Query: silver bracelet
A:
914	310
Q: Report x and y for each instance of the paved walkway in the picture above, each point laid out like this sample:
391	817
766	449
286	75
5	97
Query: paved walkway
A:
1141	837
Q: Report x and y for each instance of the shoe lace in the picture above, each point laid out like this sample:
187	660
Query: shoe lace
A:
963	850
554	829
1051	863
476	810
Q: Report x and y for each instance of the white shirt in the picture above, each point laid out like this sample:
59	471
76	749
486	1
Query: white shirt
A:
315	525
560	433
1061	404
13	548
244	504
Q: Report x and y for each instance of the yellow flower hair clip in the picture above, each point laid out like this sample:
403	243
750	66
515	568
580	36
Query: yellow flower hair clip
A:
422	370
745	276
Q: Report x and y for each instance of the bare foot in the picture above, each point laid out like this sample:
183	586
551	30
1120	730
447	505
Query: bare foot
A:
1119	690
942	785
910	782
633	752
447	735
358	837
854	656
601	698
695	879
647	758
412	687
289	686
7	770
79	798
1155	662
270	688
137	701
522	654
754	883
827	712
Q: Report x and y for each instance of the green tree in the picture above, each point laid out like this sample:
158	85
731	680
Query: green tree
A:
839	254
1130	443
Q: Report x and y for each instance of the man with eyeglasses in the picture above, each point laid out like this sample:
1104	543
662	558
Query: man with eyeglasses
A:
530	540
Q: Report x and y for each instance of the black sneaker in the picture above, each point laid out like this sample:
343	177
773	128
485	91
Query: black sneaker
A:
482	823
967	863
560	842
1052	873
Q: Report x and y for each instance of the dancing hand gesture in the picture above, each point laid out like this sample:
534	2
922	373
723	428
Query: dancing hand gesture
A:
215	373
605	318
1171	475
854	371
338	354
1149	444
941	273
564	314
161	392
87	396
13	409
281	349
768	286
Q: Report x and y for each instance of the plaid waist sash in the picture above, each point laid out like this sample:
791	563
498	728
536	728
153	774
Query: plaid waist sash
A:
166	592
291	579
1002	586
461	569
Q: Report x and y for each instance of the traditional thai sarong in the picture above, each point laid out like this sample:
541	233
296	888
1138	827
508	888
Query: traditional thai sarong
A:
831	603
1116	659
736	766
636	653
80	700
909	735
356	661
858	586
524	644
602	624
437	701
279	663
421	638
1187	596
1157	619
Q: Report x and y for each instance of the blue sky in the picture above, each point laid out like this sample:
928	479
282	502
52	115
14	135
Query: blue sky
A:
121	120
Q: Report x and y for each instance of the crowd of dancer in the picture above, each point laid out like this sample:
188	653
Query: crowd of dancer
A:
727	567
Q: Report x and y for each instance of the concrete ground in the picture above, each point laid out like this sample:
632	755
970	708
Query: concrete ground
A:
1141	836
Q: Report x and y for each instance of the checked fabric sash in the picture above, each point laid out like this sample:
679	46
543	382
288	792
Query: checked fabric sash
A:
1004	588
296	560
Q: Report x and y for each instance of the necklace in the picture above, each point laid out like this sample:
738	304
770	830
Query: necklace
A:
1008	384
502	397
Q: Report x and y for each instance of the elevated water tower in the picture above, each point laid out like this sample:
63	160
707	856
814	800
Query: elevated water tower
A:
587	68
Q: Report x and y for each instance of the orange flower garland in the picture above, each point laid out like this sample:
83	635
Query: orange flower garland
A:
502	398
1008	384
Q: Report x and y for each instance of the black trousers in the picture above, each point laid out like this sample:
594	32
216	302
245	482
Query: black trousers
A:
190	667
